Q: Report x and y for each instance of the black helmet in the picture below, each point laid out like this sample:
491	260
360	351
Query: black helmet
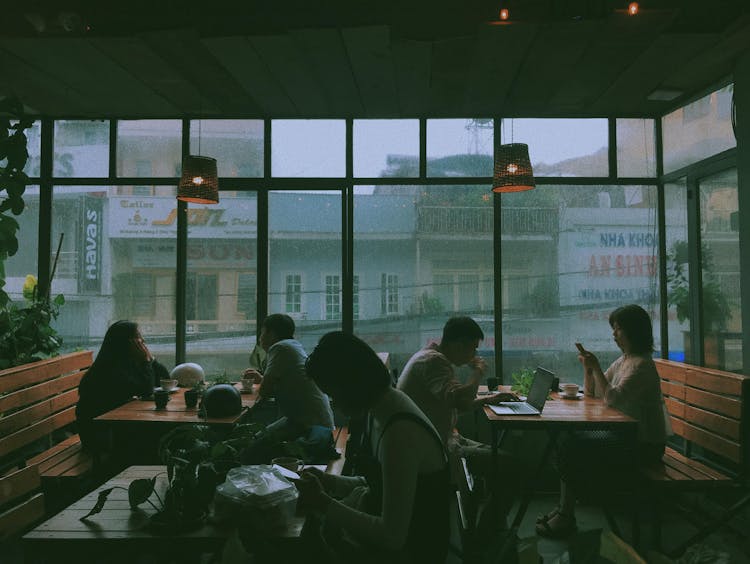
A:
221	400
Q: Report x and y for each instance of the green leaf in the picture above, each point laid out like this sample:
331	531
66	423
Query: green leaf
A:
140	490
101	500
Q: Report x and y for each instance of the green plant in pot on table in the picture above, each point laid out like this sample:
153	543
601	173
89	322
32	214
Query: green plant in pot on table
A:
197	460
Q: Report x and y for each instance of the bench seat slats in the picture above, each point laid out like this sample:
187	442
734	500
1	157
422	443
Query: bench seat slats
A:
18	483
21	516
34	373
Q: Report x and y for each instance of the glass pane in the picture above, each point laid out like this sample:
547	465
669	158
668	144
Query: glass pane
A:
237	145
24	262
34	147
562	147
117	262
460	147
308	148
722	317
678	301
636	153
698	130
81	148
149	148
420	256
386	147
305	230
570	255
222	283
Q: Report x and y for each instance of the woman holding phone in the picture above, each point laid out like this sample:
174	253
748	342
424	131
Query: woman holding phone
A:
630	384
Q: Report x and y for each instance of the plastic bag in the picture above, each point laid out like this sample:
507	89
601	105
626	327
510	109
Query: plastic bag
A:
259	493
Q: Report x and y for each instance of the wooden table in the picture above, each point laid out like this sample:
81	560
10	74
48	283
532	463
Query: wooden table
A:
558	415
119	532
176	412
136	427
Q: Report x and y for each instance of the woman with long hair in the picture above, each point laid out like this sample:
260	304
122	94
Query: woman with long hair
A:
123	368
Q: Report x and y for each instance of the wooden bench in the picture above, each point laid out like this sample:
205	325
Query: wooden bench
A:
709	415
37	402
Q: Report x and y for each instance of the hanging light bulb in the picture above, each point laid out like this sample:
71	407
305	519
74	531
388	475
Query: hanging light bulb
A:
199	183
504	14
633	8
512	171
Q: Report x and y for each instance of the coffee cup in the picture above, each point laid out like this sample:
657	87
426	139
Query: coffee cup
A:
569	390
247	384
289	462
191	398
161	397
492	383
168	384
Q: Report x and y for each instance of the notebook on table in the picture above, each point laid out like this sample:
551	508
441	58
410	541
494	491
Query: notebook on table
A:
540	387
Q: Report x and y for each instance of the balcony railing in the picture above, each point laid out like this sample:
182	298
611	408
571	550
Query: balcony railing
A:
479	220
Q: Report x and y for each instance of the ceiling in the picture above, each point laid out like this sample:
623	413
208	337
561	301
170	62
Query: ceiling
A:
348	58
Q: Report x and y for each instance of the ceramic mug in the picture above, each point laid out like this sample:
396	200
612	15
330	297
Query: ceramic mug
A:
167	384
492	383
161	397
191	398
569	390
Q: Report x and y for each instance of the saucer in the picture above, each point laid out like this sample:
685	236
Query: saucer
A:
579	395
171	391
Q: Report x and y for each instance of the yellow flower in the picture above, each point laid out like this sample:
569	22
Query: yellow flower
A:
29	287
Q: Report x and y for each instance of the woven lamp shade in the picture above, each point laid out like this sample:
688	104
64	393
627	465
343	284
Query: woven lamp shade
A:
513	171
200	182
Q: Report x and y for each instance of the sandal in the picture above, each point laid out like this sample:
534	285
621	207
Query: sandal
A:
558	527
547	516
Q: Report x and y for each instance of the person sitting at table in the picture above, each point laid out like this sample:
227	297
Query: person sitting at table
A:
305	410
123	368
429	378
631	384
399	508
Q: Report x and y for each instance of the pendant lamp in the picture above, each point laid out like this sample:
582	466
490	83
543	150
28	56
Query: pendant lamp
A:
513	171
199	183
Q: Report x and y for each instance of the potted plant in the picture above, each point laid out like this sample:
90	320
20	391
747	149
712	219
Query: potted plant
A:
716	311
26	334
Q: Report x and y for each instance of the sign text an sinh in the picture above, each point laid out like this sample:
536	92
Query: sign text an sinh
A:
621	266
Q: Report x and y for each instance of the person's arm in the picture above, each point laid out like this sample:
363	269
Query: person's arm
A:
592	372
400	459
279	361
633	383
464	396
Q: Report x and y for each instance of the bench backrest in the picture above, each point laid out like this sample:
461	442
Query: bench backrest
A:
708	408
39	398
21	501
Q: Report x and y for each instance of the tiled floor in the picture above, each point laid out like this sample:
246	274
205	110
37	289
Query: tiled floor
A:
727	546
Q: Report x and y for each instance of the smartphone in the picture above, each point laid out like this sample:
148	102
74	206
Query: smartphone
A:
580	348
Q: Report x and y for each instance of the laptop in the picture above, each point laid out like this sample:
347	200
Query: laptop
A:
540	388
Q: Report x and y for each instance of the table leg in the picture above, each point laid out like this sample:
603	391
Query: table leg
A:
529	487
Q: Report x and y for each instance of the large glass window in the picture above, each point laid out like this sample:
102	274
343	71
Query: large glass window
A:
24	262
308	148
237	145
722	318
570	255
678	271
698	130
221	282
422	254
386	147
636	148
81	148
149	148
460	147
304	242
562	147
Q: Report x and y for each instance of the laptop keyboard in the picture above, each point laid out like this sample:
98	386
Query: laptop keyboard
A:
515	407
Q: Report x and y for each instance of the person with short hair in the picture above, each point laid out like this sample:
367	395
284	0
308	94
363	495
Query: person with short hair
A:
305	410
124	367
429	378
630	384
399	509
